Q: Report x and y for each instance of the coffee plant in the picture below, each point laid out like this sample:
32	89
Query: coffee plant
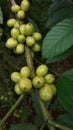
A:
34	36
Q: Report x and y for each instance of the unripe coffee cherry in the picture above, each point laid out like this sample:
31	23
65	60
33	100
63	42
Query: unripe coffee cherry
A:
36	47
46	93
25	5
15	77
49	78
29	29
21	38
30	41
15	8
17	90
11	43
19	48
37	36
23	29
25	72
17	24
25	84
38	81
15	32
42	70
11	22
20	14
53	87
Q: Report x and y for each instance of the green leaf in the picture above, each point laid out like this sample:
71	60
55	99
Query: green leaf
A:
56	5
58	39
66	119
38	115
61	56
59	16
25	126
65	90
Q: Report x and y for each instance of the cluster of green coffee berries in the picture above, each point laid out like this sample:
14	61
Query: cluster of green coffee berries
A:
22	80
22	33
43	81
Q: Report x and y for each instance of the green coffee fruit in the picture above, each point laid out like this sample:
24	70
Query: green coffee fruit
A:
46	93
17	24
11	43
49	78
15	8
38	81
20	14
23	29
53	87
25	72
15	77
36	47
11	22
29	29
17	90
25	84
42	70
37	36
21	38
19	48
25	5
15	32
30	41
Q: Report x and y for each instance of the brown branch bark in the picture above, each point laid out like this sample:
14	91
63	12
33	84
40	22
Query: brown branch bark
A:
29	61
12	2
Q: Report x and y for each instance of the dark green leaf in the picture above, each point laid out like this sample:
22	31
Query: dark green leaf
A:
66	119
65	90
38	115
61	56
25	126
56	5
58	39
59	16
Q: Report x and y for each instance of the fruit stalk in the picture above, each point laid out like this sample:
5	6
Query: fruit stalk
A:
29	61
